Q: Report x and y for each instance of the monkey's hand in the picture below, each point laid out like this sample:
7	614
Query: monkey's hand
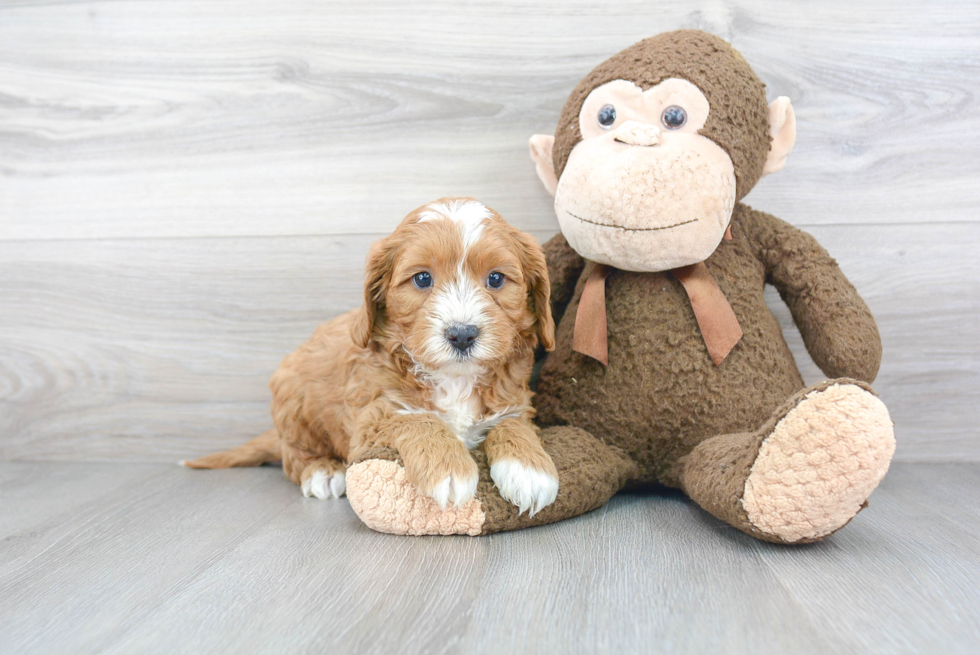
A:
836	324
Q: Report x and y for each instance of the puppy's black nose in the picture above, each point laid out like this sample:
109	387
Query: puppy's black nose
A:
462	337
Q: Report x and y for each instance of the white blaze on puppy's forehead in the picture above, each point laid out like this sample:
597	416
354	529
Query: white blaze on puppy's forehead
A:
469	216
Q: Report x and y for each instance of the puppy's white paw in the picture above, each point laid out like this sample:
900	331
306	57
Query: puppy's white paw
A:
322	485
455	489
527	487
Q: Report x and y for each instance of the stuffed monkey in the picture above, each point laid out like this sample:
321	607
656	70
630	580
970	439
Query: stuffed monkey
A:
669	367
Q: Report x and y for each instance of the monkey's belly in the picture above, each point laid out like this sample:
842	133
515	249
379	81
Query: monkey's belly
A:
661	395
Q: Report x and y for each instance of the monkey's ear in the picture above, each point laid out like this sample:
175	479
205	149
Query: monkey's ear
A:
541	149
782	129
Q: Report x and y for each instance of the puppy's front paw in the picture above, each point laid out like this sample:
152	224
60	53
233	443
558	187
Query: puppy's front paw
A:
452	478
455	489
321	484
527	487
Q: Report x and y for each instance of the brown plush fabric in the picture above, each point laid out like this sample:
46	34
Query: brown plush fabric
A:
836	324
684	421
714	473
660	395
718	323
387	454
589	474
739	113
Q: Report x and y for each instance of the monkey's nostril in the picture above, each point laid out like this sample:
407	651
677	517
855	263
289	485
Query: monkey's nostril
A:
635	133
462	337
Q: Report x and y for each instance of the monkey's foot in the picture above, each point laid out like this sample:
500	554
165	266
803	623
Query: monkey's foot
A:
817	467
386	501
589	474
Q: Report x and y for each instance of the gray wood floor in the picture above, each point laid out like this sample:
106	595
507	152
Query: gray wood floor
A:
152	558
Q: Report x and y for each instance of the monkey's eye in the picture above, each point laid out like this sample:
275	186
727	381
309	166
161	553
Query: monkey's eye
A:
495	280
607	116
674	117
422	280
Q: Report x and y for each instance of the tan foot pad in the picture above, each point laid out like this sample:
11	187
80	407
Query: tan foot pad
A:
819	465
386	501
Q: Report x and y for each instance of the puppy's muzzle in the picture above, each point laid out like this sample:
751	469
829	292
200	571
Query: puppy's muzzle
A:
462	337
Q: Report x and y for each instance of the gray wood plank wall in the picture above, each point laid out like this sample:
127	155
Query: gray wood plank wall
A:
188	188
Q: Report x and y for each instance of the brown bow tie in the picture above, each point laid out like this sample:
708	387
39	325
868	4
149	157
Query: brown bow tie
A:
719	326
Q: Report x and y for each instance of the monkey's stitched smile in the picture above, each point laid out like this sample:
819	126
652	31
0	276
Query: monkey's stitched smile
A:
632	229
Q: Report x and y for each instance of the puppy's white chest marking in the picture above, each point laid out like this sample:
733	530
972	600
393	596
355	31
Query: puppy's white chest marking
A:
458	405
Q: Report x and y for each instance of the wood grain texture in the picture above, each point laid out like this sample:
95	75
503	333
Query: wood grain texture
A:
162	349
31	492
237	561
188	188
203	118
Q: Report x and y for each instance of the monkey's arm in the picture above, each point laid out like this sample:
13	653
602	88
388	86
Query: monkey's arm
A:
837	327
564	268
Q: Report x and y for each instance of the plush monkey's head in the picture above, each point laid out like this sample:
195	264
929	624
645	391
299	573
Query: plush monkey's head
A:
654	148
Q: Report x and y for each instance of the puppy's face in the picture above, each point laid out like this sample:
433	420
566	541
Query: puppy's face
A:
457	287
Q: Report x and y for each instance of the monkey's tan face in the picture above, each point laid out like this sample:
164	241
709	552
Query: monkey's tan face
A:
643	191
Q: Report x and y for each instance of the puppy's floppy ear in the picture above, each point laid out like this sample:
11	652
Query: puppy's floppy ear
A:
539	287
377	277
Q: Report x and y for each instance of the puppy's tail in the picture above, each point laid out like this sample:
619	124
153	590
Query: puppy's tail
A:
263	448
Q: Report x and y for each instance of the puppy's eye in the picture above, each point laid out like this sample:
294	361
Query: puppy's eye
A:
674	117
495	280
422	280
607	116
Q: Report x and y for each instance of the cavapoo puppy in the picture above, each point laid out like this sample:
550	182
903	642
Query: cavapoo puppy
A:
436	362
